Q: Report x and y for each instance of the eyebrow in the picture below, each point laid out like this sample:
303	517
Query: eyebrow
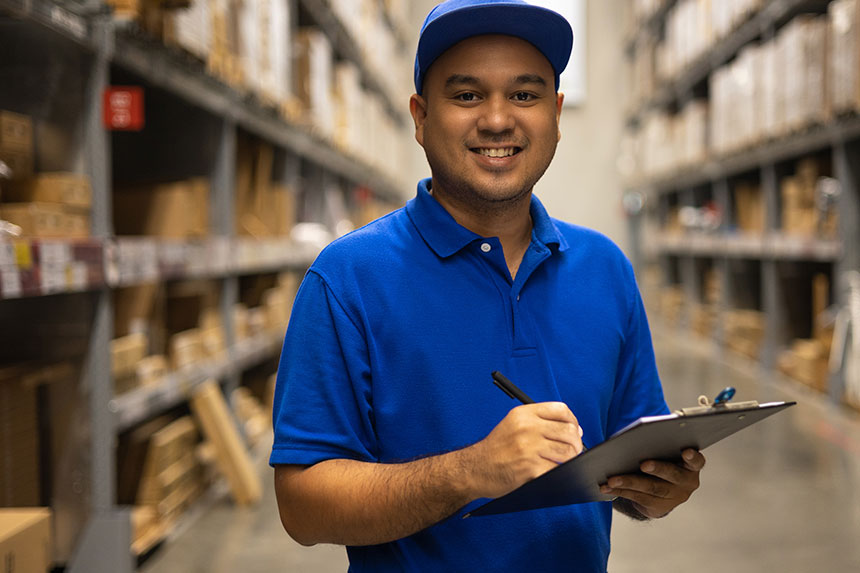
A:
464	79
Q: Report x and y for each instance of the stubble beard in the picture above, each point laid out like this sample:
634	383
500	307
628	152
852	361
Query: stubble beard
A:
487	200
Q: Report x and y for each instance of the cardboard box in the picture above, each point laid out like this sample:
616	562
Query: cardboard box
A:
313	81
843	37
19	162
217	424
19	439
749	208
46	220
25	540
16	132
186	349
140	308
69	189
177	210
744	331
190	29
126	352
152	370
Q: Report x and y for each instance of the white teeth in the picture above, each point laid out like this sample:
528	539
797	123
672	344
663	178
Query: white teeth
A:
495	152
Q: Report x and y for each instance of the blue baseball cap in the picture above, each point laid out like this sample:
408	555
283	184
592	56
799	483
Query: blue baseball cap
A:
455	20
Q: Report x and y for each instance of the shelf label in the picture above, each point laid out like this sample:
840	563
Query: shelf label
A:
7	254
23	255
10	282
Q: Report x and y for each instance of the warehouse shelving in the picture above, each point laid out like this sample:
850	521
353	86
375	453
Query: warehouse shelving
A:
772	15
69	285
761	271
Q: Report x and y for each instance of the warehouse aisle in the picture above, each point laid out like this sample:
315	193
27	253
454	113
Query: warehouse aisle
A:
782	496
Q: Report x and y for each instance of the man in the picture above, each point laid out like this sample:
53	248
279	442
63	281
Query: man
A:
387	425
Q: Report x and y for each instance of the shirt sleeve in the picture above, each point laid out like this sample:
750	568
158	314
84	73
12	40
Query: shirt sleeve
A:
638	391
322	406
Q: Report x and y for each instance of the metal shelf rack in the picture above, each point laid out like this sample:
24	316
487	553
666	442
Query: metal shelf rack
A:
93	533
682	256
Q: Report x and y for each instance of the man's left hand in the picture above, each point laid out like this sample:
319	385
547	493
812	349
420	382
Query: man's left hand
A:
663	487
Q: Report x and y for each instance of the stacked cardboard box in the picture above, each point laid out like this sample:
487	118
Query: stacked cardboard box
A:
190	29
804	67
263	208
146	529
800	213
139	328
176	210
749	208
16	143
171	478
194	324
672	304
224	60
704	315
807	359
252	418
278	302
313	78
744	331
26	543
231	454
727	15
348	99
688	36
126	354
19	439
49	205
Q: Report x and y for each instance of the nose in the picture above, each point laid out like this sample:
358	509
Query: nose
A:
496	116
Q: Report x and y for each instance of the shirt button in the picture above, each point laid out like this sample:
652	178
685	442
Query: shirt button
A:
486	247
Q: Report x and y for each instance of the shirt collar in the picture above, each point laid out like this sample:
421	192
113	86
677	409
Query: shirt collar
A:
445	236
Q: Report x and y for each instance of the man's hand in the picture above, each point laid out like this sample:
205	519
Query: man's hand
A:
531	440
665	487
350	502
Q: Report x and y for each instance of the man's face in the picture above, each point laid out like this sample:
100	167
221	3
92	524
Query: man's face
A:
488	119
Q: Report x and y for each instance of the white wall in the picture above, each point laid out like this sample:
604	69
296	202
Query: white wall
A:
582	185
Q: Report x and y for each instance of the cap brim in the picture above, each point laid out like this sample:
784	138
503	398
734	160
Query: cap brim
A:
548	31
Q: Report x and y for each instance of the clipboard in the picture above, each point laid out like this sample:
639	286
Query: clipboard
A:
649	438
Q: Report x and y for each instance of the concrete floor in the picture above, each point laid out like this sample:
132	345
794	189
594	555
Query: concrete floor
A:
784	495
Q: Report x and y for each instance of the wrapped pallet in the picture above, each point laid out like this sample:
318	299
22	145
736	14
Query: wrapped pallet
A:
805	64
190	29
843	78
314	59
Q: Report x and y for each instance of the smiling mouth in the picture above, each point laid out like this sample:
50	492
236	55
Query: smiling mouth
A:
496	151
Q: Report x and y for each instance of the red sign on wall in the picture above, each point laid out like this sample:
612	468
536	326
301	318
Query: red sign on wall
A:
123	108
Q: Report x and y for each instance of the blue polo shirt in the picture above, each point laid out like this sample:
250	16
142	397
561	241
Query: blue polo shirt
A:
389	352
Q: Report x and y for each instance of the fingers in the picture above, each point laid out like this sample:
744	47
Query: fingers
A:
529	441
663	486
694	460
561	430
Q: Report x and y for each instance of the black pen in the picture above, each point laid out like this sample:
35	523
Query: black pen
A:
510	388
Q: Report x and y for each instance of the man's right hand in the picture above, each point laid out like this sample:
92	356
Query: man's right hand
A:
531	440
350	502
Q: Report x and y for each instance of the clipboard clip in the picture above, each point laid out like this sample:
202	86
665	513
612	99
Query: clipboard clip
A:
721	402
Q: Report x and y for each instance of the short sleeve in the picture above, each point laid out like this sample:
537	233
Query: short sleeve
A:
638	391
322	405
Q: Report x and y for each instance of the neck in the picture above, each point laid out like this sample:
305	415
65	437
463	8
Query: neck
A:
511	222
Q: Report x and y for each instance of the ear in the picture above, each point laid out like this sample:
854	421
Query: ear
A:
559	104
418	109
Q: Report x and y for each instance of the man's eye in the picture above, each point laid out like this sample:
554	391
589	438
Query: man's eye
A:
523	96
468	96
